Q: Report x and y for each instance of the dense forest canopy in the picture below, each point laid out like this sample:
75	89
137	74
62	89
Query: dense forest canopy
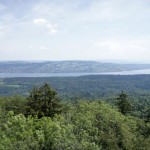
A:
41	122
93	86
104	87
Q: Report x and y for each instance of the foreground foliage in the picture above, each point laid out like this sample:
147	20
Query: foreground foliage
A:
84	125
41	122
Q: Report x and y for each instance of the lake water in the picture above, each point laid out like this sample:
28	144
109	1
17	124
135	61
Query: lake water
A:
11	75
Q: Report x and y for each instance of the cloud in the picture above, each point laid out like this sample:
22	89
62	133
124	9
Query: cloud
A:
88	28
52	29
43	48
40	21
107	45
36	47
131	49
30	47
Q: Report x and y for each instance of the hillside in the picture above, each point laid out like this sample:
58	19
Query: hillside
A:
67	67
91	87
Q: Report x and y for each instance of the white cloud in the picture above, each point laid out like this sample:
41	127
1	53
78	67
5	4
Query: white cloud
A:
36	47
43	48
107	45
30	47
84	20
123	48
40	21
52	29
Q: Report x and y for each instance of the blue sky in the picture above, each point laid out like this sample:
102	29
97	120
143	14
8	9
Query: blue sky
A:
75	30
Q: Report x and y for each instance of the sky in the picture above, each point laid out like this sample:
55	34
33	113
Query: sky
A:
104	30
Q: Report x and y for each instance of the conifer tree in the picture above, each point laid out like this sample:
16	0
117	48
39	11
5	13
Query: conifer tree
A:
123	103
43	101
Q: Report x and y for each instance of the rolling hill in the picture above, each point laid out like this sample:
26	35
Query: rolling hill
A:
67	67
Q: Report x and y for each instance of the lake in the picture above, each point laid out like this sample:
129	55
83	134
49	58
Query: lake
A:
11	75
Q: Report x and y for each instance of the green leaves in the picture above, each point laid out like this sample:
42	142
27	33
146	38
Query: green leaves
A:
123	104
43	101
18	132
84	125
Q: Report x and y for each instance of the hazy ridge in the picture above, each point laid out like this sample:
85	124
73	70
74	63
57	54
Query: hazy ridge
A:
67	67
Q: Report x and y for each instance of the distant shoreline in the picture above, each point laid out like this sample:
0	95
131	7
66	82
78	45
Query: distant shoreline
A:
132	72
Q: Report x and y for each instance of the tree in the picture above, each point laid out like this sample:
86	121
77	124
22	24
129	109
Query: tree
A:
43	101
147	115
123	103
16	104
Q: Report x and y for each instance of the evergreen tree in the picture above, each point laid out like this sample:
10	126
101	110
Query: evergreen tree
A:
43	101
123	103
147	115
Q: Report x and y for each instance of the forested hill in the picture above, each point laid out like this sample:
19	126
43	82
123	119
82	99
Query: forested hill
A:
89	87
67	67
